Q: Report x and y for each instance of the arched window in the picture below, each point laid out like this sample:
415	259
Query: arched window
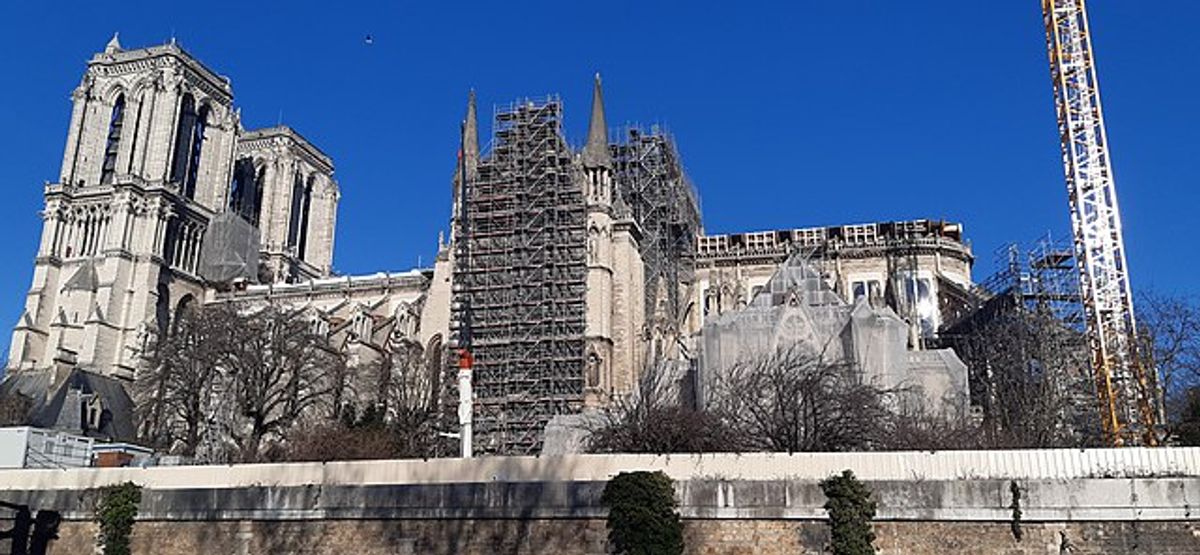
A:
137	126
304	211
189	140
162	310
242	193
113	145
189	186
183	138
184	310
259	185
294	215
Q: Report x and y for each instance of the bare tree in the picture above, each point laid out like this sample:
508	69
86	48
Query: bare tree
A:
397	415
791	400
1031	377
278	369
915	426
652	419
176	384
411	399
15	409
1170	325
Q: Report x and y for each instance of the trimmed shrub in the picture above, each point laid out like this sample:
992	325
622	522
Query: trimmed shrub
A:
642	519
851	509
116	513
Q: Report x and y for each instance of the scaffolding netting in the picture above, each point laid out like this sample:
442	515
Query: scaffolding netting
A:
229	250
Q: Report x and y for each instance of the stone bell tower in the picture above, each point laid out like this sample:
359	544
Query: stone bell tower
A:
614	271
147	164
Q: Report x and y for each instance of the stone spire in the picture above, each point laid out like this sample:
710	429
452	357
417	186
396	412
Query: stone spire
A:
595	152
468	156
114	44
471	137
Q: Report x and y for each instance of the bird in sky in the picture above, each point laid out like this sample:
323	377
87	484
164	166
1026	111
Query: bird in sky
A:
369	40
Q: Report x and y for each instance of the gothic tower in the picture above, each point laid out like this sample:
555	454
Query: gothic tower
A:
284	186
598	192
146	165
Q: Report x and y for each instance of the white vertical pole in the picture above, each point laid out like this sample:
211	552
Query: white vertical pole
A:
464	411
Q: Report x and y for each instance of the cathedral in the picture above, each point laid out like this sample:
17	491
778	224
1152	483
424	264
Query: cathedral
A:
564	275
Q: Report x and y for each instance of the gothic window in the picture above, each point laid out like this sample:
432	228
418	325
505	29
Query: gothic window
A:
189	186
113	145
238	187
184	309
305	208
183	138
244	193
259	185
189	141
869	288
918	291
298	216
170	241
162	309
137	125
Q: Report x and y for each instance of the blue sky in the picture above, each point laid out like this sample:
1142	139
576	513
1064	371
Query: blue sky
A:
791	114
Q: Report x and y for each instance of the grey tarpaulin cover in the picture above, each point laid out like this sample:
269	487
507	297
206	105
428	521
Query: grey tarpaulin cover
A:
230	249
798	308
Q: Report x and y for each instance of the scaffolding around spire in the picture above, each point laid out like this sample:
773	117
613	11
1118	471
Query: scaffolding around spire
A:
520	272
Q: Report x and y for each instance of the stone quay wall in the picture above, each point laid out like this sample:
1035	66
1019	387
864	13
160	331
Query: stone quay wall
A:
1094	501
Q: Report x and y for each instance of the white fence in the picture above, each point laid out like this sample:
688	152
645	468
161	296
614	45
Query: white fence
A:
945	465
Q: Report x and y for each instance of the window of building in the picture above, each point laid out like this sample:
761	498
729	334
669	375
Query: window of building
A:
113	144
305	208
293	236
197	144
918	291
183	138
137	126
869	288
189	143
244	193
259	185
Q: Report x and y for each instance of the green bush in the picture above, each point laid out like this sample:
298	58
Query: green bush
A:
118	508
851	509
641	514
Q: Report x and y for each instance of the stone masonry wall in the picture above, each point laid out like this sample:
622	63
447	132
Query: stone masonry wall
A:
1103	501
588	536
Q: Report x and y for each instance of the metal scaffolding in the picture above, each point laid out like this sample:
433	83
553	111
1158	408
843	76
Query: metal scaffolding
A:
653	185
519	280
1042	278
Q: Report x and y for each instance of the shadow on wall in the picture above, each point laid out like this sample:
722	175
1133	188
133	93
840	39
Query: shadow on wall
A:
31	533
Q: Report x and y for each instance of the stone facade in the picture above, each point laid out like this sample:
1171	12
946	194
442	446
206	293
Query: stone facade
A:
911	266
150	159
156	156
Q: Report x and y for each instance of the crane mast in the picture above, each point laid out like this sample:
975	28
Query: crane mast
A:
1125	391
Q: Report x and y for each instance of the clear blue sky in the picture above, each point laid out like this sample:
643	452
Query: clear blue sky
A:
792	114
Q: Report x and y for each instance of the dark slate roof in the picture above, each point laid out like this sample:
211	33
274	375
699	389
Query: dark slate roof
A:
50	408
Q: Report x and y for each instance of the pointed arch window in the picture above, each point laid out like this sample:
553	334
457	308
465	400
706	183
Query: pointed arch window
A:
245	194
183	138
113	144
189	186
305	208
259	185
189	141
297	217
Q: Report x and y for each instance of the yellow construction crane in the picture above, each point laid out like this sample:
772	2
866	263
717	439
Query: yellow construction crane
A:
1127	392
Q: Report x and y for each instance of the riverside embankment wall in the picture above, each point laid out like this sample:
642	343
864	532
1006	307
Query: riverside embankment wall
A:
1071	501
